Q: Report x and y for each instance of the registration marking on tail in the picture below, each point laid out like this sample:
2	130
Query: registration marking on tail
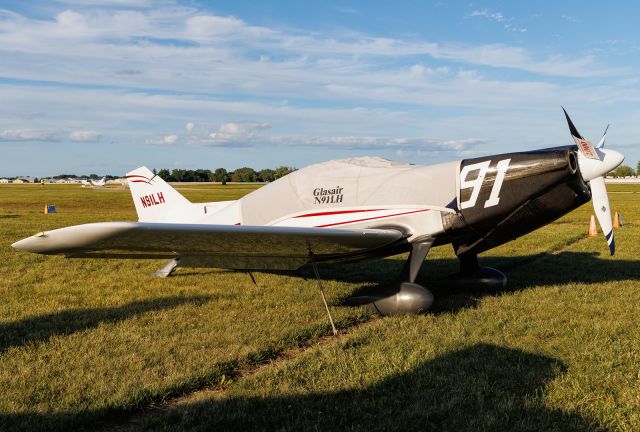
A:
152	200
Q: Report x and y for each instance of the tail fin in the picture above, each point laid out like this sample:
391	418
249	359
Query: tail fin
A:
155	200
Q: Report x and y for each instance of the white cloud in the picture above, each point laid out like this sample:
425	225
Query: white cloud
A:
165	64
491	16
255	134
84	136
170	139
109	3
514	28
130	44
379	143
347	10
570	18
28	135
207	28
32	115
499	18
237	132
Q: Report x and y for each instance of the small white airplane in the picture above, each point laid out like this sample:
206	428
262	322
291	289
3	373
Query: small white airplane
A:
354	209
98	183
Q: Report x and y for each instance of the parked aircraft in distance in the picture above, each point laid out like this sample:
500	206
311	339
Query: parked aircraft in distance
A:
354	209
97	183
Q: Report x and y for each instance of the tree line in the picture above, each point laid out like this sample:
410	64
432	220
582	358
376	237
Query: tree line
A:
246	174
221	175
86	176
624	171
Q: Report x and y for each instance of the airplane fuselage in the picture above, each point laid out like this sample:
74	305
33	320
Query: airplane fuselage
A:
475	204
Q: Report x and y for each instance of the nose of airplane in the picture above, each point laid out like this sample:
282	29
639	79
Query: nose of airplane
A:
592	168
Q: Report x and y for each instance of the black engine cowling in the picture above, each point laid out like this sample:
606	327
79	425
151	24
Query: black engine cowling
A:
503	197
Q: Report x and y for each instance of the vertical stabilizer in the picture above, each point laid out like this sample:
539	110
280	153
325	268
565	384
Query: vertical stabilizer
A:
155	200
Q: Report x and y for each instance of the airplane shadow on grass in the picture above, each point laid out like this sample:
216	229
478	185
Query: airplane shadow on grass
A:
522	272
41	328
481	387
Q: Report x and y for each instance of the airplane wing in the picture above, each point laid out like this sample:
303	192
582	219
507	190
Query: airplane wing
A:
203	245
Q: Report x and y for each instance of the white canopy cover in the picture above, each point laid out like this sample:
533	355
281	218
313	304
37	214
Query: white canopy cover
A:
355	182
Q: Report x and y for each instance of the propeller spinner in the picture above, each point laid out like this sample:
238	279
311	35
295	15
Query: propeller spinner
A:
595	163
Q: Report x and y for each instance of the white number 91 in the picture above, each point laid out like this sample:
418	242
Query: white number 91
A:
476	184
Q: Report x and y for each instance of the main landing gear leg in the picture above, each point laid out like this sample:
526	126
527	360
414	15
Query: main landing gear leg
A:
167	269
472	275
405	296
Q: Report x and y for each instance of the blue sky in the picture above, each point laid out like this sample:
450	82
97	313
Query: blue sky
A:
106	86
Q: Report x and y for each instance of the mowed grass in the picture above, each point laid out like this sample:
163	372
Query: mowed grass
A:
84	343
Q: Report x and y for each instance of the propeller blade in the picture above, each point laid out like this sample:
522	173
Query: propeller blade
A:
604	137
585	146
600	200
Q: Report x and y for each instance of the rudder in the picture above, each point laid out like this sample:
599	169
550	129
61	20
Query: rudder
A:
155	199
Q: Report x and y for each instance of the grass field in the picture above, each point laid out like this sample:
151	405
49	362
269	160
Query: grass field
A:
101	344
